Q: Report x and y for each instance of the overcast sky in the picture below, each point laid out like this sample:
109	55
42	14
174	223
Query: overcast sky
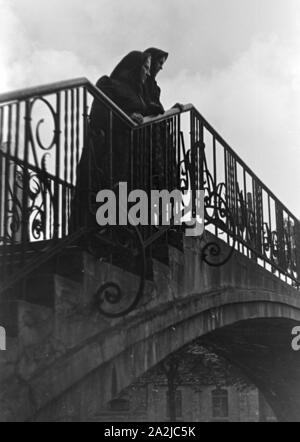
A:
237	61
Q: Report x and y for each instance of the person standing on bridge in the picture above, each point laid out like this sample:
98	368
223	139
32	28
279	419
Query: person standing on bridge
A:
125	88
152	90
164	165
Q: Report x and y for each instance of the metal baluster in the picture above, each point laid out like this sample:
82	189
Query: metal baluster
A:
25	181
72	150
131	137
57	201
199	145
166	143
215	181
142	163
271	239
247	220
151	228
77	125
145	155
110	144
86	138
265	253
1	124
236	196
65	165
72	137
16	191
297	249
7	195
2	214
290	258
173	150
2	185
228	195
192	170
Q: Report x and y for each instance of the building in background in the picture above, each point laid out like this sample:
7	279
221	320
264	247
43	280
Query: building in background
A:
208	389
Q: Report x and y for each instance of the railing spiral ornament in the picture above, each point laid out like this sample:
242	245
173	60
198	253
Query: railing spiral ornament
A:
245	219
125	248
28	223
218	214
41	121
185	171
270	243
14	212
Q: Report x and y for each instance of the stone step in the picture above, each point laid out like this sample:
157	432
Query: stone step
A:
64	288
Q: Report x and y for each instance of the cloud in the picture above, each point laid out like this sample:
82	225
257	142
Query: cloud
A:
25	62
255	105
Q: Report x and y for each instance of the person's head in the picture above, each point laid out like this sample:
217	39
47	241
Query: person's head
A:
146	68
134	68
158	58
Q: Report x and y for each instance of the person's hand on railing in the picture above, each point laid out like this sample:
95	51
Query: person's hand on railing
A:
137	118
178	106
155	109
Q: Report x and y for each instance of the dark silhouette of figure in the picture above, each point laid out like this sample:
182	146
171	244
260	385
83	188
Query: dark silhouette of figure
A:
152	90
164	165
100	166
125	87
107	157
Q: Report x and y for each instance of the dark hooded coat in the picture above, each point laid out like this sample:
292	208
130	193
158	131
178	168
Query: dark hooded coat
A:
124	88
160	132
163	154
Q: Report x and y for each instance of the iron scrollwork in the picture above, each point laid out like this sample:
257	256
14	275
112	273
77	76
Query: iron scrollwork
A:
270	243
245	218
218	214
125	248
29	199
216	209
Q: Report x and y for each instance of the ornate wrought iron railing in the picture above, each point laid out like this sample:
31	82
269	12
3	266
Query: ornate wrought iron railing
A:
47	145
243	211
42	135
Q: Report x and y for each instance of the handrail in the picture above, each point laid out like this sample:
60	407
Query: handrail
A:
24	94
169	113
97	93
53	88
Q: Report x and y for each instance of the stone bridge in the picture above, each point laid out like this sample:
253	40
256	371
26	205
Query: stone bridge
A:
65	357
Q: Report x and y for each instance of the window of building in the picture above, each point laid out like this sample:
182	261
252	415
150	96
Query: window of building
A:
220	406
246	410
178	400
119	405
